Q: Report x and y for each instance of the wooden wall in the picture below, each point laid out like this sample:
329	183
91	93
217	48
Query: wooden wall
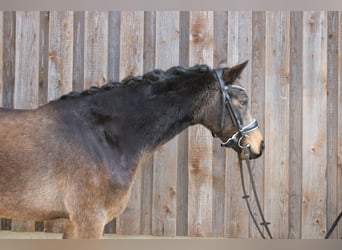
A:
191	186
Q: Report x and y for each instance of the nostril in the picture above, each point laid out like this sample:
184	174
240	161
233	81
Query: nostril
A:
262	145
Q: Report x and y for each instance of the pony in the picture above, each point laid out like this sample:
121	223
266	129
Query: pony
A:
76	157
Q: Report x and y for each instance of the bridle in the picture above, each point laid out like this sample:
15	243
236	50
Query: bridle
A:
235	140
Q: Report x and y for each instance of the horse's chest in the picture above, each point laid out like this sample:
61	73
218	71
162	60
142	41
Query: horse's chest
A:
117	201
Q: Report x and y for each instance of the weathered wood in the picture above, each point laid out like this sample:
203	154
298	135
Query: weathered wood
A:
257	102
295	133
95	48
131	62
339	132
60	53
26	59
164	207
219	153
182	154
26	76
43	57
315	123
200	139
78	51
113	45
332	118
8	58
277	126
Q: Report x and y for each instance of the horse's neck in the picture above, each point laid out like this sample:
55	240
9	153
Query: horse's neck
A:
145	122
163	117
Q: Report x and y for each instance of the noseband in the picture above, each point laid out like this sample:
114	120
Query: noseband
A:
234	141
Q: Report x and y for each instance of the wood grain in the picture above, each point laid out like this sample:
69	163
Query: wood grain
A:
60	54
332	118
78	51
95	48
295	133
315	123
43	57
277	124
339	132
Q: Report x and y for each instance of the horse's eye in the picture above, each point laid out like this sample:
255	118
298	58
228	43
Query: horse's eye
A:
243	102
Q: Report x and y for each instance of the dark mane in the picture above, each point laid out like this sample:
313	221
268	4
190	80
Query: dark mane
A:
156	76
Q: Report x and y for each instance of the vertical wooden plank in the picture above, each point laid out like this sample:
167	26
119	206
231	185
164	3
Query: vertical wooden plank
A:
43	57
78	51
164	207
219	153
200	139
131	62
8	58
113	45
277	108
257	102
147	167
60	53
27	60
182	154
332	119
239	50
26	76
315	114
295	136
339	133
95	48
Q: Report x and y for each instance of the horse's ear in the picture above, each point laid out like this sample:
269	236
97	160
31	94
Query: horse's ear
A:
231	74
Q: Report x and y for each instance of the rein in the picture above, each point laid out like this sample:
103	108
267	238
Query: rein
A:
235	143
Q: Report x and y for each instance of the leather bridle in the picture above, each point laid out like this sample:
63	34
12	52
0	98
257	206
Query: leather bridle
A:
235	143
235	140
